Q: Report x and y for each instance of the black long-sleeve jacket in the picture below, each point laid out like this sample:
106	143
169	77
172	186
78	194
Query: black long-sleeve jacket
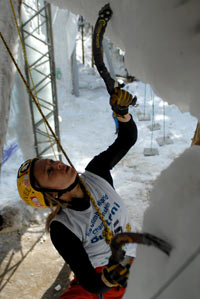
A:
68	244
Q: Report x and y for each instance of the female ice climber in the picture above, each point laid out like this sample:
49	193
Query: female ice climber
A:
75	227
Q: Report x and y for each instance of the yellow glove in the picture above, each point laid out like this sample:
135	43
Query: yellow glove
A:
120	101
115	274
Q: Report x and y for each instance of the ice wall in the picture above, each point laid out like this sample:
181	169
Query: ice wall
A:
9	32
65	31
173	215
161	41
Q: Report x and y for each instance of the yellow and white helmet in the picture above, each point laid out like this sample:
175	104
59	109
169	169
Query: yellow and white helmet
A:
27	191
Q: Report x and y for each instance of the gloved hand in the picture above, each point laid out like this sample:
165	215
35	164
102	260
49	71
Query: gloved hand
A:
120	101
114	274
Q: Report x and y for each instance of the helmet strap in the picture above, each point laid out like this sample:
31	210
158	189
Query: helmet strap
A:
62	191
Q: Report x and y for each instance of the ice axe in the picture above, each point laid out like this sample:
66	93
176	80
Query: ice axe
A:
105	15
120	239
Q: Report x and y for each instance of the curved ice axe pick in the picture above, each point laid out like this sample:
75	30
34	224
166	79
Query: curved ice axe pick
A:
104	16
140	238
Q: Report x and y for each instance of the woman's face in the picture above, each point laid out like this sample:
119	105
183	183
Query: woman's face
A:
53	174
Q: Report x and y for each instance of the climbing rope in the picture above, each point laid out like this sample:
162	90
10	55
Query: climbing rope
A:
108	234
29	70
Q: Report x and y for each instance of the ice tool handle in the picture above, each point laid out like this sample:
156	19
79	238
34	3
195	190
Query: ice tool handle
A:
105	15
140	238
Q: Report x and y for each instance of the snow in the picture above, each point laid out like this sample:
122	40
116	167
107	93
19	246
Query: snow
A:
162	191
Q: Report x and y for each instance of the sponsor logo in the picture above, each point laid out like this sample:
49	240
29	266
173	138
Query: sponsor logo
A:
26	181
36	201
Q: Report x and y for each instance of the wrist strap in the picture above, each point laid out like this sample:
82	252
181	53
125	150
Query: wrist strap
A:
119	115
107	283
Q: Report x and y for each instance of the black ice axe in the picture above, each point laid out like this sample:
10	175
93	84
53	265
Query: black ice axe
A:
105	15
